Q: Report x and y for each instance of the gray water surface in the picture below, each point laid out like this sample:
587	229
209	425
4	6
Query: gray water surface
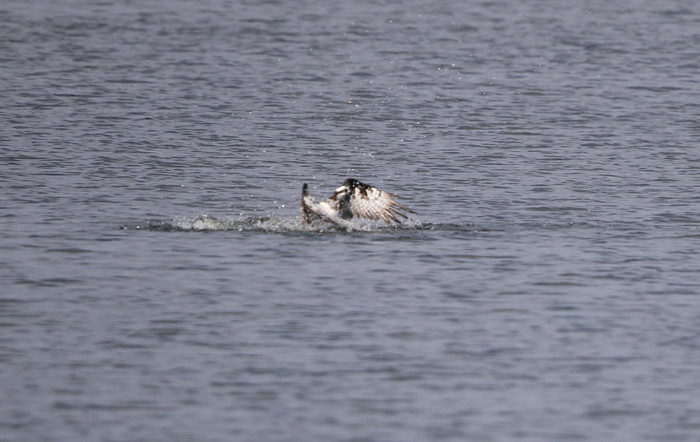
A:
158	286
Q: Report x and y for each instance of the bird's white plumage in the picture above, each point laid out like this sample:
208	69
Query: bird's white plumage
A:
354	200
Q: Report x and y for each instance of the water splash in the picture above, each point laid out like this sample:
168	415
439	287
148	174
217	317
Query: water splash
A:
206	223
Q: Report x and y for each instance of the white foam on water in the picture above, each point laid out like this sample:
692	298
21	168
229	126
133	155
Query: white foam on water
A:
273	224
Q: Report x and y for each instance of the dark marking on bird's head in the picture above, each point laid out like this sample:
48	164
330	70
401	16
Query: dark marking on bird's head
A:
353	184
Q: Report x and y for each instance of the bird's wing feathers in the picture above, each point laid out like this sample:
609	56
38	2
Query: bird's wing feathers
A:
355	199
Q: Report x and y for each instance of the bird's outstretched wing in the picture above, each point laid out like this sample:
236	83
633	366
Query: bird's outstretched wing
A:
358	200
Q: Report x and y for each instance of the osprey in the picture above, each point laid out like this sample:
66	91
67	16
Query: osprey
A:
353	200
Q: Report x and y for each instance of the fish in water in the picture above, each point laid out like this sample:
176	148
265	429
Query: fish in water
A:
353	200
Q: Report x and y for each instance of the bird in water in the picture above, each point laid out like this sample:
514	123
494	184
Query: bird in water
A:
353	200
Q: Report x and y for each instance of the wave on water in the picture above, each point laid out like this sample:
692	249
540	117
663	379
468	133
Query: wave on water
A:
206	223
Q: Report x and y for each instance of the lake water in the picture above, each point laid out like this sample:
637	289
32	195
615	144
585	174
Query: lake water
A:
157	285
